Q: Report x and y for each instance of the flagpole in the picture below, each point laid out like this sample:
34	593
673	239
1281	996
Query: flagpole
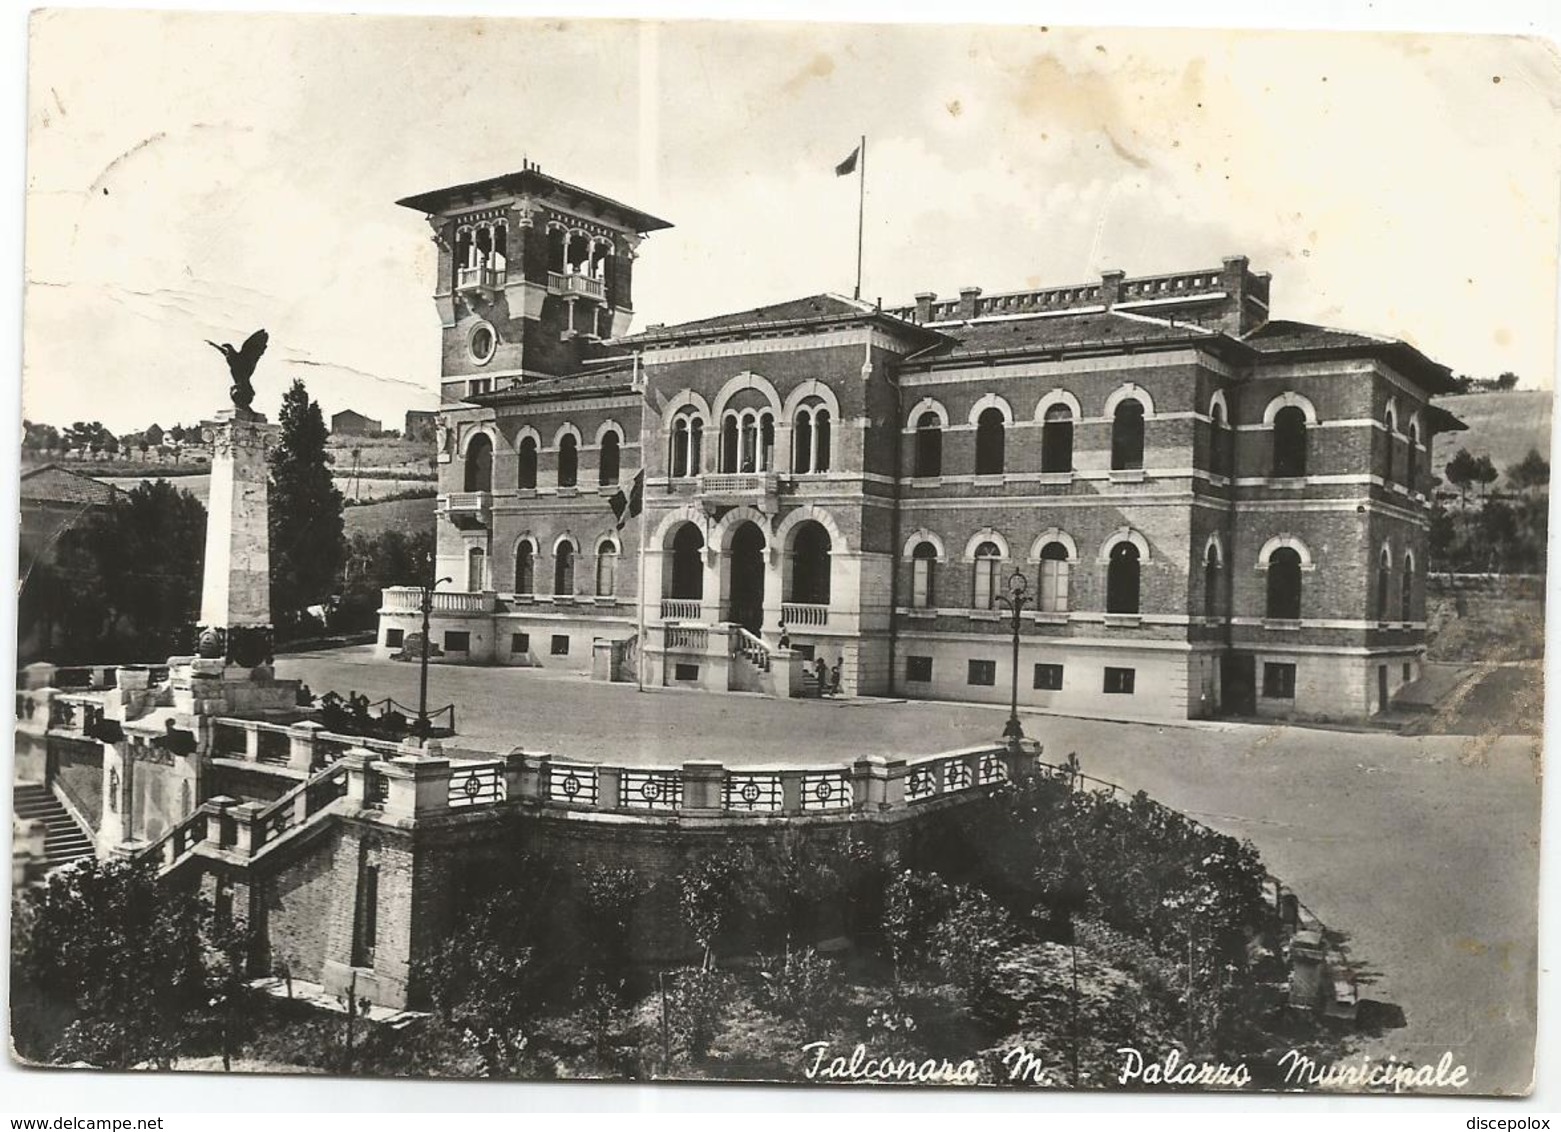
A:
861	205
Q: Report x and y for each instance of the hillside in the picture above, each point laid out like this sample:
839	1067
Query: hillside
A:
407	515
1503	426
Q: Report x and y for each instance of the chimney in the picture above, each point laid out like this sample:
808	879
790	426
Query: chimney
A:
1111	287
1235	318
924	301
967	301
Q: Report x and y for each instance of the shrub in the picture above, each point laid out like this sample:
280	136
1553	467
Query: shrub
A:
806	986
697	999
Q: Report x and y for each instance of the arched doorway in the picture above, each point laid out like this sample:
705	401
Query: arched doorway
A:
810	564
688	567
745	594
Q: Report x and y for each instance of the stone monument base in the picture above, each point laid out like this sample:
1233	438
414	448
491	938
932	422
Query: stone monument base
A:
209	686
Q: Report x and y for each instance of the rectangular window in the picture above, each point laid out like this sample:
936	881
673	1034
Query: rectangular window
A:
1408	673
560	644
368	918
685	672
1279	681
982	673
1048	677
921	583
520	642
985	594
394	638
1054	586
804	651
457	641
1119	681
918	669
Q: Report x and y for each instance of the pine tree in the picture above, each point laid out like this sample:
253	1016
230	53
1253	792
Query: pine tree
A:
306	512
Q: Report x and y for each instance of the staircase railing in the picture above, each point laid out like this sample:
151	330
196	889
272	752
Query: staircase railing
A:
178	843
299	804
751	647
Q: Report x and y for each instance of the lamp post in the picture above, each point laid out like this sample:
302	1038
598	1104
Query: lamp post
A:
1014	600
422	677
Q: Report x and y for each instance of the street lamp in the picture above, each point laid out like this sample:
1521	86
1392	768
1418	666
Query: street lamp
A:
1014	600
421	725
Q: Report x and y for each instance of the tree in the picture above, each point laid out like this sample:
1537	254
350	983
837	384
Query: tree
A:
125	584
40	437
1507	381
114	963
1484	473
1532	472
1460	473
306	512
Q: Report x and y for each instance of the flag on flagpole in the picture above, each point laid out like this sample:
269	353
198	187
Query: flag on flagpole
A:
849	164
626	507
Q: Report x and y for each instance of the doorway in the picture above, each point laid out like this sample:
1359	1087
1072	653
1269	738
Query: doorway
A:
746	594
1382	687
1238	684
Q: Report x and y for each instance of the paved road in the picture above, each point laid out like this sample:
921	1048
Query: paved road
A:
1425	850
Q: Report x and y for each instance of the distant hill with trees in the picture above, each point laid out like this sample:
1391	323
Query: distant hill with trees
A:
1503	426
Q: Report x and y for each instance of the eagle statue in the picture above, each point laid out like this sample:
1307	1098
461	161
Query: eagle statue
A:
241	364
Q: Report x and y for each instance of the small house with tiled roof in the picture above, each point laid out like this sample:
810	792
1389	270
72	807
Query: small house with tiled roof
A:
1202	510
54	498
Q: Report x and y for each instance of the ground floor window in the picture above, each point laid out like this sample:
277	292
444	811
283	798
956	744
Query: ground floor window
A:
918	669
1048	677
560	644
1408	672
520	642
1279	681
1119	681
685	672
457	641
982	673
395	637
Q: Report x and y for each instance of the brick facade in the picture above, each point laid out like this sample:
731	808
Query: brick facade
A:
1146	426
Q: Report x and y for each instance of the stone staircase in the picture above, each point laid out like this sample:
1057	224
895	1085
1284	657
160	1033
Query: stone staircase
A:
65	841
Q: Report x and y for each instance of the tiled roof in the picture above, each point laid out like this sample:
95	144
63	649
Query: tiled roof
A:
608	377
1059	332
1282	336
54	484
811	308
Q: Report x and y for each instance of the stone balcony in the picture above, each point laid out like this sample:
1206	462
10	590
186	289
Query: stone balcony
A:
469	510
758	489
409	599
572	283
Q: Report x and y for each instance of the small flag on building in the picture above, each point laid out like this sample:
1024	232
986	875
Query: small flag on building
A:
626	507
849	164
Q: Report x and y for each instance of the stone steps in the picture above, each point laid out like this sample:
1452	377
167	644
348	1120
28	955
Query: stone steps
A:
65	841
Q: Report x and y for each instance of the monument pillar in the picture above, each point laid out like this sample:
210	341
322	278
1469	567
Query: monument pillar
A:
235	620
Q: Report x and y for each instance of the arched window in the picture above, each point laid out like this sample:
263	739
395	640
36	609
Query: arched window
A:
1211	581
1411	457
810	438
1387	447
1127	435
1406	592
929	445
688	566
810	566
766	442
1290	442
989	443
683	459
607	467
984	589
1384	572
923	562
527	479
564	569
525	569
568	461
1122	570
1219	441
1057	439
476	570
1284	584
606	568
1052	596
729	443
479	463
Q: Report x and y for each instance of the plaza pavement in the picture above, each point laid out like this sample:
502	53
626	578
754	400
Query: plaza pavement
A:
1424	851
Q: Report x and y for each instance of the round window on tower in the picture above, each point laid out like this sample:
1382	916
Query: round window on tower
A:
482	343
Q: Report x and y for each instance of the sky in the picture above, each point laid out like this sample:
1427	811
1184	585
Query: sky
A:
194	176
